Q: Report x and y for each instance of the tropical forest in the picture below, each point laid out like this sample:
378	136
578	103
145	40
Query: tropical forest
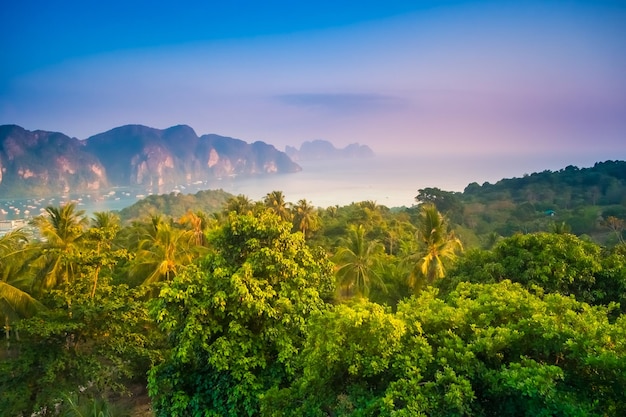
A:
506	299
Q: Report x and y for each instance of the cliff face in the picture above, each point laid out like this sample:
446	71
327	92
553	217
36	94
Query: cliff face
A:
140	155
38	163
321	149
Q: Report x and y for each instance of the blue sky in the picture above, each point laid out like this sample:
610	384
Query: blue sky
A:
464	77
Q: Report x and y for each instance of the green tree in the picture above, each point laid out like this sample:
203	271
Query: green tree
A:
162	251
499	349
558	263
305	217
197	224
240	204
97	344
347	364
15	301
437	244
89	333
98	252
62	230
237	321
394	273
357	260
447	202
275	201
484	349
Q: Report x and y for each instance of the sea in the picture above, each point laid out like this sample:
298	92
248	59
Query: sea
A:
389	180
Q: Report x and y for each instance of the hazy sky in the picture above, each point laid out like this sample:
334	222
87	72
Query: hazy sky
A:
411	76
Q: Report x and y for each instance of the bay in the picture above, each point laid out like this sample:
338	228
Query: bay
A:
393	180
390	180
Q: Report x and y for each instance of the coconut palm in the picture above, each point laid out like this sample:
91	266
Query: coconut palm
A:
104	228
491	239
275	201
61	229
356	263
197	224
305	217
105	220
15	302
437	244
240	204
332	211
162	251
393	235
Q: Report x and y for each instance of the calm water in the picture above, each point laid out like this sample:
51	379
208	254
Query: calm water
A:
395	181
390	181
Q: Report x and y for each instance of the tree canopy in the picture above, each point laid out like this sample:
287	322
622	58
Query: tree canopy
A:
237	321
267	308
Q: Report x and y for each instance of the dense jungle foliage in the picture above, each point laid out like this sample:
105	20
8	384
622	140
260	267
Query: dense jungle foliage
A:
482	303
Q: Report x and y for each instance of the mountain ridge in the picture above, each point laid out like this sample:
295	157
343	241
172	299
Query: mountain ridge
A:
36	163
322	149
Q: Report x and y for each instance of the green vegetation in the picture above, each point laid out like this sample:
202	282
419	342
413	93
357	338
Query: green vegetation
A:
175	204
477	303
581	199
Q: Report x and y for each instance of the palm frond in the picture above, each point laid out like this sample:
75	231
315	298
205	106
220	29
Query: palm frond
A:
15	300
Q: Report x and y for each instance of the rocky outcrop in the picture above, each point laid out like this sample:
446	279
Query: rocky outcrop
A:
37	163
321	149
40	163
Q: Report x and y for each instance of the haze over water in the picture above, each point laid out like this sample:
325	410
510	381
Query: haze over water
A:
394	181
389	180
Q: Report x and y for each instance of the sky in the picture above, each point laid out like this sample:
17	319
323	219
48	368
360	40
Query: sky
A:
424	77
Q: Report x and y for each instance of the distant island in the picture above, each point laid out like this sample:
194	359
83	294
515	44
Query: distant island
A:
42	163
322	149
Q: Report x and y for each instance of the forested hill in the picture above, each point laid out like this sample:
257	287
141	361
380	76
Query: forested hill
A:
176	205
604	184
577	199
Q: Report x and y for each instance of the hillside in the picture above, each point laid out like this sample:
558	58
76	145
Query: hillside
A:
176	205
578	199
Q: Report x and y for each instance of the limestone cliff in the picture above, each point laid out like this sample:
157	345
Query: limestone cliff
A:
47	163
41	163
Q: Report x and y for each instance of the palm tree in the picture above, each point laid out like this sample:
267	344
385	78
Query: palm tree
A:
356	263
275	201
240	204
162	251
15	302
197	224
332	211
305	217
437	244
61	230
104	228
105	220
369	204
393	234
491	239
